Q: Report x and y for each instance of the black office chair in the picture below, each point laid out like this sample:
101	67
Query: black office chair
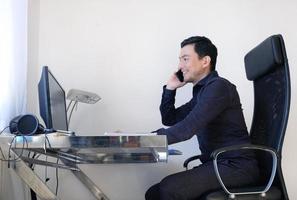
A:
267	66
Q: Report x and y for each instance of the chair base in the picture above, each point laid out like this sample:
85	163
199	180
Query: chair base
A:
272	194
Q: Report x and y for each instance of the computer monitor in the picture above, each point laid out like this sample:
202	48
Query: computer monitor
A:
52	101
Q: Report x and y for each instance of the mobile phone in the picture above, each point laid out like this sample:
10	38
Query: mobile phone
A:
180	76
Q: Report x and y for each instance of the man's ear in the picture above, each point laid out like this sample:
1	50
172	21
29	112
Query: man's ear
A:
206	61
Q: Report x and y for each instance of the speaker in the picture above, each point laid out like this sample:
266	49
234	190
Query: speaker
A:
25	125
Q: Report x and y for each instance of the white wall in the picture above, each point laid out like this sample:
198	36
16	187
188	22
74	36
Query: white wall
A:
125	51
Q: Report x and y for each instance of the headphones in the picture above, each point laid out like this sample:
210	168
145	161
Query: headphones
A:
27	124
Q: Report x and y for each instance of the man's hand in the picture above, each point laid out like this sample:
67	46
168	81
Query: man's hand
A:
173	83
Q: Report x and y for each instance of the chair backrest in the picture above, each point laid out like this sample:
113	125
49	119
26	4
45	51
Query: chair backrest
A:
267	66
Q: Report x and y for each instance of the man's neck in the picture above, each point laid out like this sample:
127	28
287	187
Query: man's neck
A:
201	77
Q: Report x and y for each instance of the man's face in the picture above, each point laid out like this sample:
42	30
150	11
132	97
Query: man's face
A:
193	67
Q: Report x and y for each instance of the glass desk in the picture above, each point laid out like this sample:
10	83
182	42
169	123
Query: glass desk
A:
73	150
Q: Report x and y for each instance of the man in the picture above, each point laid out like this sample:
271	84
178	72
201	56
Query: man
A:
214	115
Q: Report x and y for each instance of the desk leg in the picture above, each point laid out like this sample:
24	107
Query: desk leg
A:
31	179
86	181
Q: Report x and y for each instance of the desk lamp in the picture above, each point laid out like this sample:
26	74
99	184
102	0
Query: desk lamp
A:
75	95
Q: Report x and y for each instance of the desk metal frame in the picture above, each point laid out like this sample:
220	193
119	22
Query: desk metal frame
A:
74	150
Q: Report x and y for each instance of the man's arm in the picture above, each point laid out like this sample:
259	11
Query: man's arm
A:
214	99
169	114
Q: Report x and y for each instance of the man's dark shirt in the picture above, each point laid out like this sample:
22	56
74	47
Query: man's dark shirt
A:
214	114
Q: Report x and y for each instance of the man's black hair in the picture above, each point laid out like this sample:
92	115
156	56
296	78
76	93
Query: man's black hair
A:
203	47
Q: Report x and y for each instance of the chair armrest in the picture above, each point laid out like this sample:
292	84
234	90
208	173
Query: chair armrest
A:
187	161
239	147
272	151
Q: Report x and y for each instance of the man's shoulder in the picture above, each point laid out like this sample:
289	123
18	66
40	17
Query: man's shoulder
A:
218	87
220	81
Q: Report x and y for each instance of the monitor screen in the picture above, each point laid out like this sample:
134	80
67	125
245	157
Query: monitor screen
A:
52	102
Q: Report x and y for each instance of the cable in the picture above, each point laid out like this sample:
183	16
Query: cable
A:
45	148
22	149
75	104
69	105
0	147
57	177
17	158
33	195
4	129
37	156
25	142
2	154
